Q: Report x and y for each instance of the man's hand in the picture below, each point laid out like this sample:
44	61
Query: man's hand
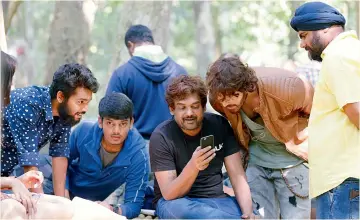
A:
108	206
23	195
105	204
201	158
249	216
32	179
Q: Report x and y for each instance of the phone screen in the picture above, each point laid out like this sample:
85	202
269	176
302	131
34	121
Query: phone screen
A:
207	141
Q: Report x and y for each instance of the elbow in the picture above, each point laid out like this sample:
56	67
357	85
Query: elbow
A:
168	195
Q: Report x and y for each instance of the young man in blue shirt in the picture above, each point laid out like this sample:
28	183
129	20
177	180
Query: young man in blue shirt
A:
106	154
38	115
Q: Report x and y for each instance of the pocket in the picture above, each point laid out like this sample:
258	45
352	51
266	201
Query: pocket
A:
296	180
253	172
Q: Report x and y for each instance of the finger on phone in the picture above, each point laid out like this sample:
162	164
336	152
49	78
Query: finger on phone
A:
205	149
208	159
208	154
198	148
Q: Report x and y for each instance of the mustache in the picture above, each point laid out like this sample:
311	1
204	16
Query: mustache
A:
190	118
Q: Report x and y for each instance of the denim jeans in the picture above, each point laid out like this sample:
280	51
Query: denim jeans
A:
198	208
342	202
272	197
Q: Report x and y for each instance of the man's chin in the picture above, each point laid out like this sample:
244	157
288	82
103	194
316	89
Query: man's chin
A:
315	57
233	110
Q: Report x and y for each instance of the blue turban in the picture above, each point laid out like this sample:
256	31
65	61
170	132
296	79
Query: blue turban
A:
314	16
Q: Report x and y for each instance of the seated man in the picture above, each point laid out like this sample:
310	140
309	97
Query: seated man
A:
108	154
188	178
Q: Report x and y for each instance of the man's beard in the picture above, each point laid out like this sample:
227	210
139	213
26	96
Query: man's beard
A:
65	116
196	123
315	52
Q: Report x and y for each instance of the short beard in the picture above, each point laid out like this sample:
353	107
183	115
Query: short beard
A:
317	49
64	114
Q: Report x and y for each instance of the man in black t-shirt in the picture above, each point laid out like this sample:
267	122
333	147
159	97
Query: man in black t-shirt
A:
188	179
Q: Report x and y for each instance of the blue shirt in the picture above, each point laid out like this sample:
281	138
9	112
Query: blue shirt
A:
88	179
28	126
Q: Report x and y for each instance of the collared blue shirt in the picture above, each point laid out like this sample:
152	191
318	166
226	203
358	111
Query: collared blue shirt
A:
28	125
88	179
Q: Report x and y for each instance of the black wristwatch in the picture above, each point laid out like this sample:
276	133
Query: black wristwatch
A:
116	208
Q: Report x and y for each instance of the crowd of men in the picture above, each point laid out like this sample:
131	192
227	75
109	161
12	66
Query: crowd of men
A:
281	140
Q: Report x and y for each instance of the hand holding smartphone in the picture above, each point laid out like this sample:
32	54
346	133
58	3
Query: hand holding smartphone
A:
207	141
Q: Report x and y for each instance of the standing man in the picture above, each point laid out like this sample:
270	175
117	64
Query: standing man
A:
144	79
334	136
268	109
38	115
188	178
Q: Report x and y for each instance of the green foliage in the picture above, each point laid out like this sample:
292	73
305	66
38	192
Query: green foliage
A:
259	31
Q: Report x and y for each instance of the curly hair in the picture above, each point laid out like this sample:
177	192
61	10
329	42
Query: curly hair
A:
228	75
71	76
183	86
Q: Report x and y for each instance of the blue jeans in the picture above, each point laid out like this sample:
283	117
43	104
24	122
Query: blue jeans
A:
198	208
342	202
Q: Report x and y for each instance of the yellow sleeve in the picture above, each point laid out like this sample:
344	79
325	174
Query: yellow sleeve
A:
342	75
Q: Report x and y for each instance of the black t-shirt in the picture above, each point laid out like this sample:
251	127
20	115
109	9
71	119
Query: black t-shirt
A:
172	149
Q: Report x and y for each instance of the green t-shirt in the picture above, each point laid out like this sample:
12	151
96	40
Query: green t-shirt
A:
265	150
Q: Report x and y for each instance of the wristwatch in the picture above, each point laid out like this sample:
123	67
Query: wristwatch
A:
116	208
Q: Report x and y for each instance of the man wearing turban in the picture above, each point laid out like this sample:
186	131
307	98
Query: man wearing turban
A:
334	137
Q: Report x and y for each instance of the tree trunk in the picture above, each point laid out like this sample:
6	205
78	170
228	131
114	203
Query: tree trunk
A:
153	14
217	30
293	36
11	11
205	38
3	45
69	34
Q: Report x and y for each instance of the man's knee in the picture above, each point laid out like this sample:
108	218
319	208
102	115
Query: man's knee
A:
176	208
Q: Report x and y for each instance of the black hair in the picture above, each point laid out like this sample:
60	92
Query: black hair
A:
116	106
71	76
8	65
138	34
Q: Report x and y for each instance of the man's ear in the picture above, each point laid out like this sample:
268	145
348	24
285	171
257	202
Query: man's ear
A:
60	97
131	47
326	30
131	122
171	110
100	122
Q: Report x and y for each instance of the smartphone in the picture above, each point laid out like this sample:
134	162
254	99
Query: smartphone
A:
207	141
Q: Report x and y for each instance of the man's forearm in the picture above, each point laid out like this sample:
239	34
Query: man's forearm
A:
34	190
243	196
181	185
59	167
